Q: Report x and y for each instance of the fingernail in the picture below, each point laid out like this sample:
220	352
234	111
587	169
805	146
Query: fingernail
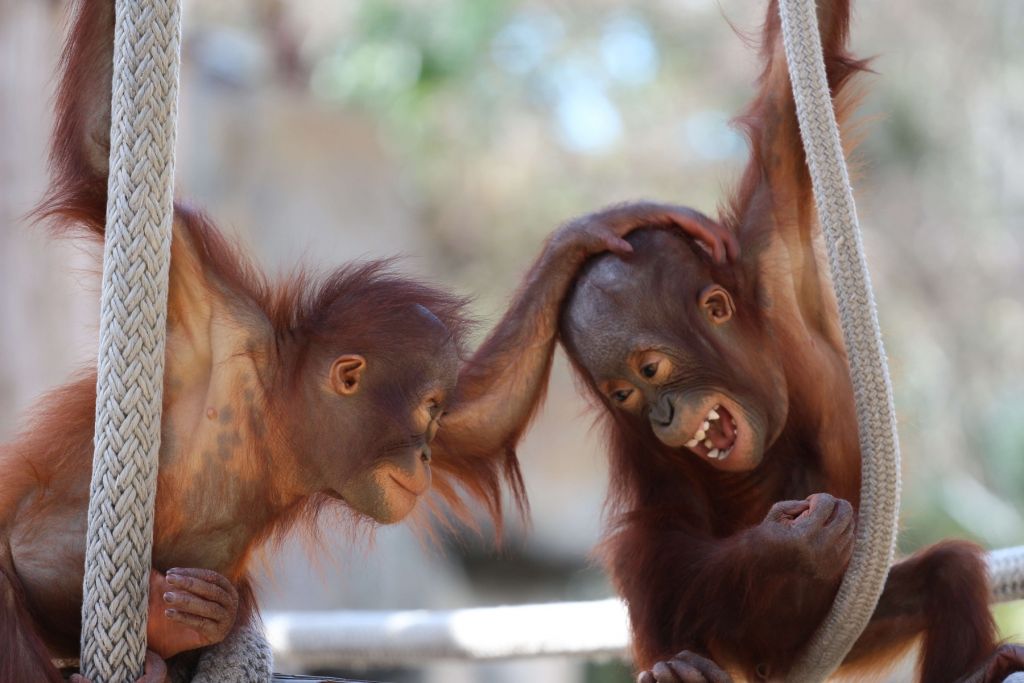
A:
170	612
173	579
169	597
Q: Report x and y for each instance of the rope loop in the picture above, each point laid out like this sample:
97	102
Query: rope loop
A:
880	471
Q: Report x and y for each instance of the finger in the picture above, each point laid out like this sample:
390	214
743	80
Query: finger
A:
732	245
695	225
663	673
1007	661
787	508
186	602
219	590
686	673
727	246
711	671
208	575
617	245
844	520
202	625
645	677
715	244
723	242
155	670
821	508
715	237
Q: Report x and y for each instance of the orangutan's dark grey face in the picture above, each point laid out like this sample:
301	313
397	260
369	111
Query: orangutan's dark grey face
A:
660	340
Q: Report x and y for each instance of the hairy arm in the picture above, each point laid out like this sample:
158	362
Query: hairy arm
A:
206	270
502	385
777	165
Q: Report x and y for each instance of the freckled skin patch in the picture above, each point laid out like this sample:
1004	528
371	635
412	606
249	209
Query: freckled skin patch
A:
257	426
227	442
168	442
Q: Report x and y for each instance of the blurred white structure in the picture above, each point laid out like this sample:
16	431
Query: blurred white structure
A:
592	630
596	629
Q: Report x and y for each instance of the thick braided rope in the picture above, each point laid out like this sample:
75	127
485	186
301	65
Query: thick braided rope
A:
133	312
880	474
243	657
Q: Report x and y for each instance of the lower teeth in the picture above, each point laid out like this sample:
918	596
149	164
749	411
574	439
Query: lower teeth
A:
715	454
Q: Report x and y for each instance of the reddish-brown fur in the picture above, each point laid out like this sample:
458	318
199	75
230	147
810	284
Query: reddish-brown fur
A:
702	558
277	335
252	405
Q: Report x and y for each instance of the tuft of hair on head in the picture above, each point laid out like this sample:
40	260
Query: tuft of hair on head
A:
369	308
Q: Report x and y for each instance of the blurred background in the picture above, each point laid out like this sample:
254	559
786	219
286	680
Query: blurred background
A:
461	132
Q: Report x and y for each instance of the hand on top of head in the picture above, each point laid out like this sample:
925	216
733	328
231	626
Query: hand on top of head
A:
606	230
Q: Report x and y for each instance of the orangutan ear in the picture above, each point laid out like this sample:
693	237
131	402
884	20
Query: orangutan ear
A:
346	374
717	304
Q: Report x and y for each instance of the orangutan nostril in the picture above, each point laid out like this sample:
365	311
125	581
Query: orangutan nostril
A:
663	413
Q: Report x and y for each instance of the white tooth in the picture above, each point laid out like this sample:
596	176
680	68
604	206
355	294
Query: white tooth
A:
713	415
705	426
692	443
713	454
708	444
699	436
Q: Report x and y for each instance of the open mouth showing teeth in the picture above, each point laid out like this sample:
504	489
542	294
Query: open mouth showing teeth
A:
716	436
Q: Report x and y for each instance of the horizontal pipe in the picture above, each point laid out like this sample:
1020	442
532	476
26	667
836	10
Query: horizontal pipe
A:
587	630
596	629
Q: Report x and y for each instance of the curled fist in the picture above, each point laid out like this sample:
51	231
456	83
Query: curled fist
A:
189	609
685	667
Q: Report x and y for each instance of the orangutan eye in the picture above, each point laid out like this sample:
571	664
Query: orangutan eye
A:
622	395
434	408
649	370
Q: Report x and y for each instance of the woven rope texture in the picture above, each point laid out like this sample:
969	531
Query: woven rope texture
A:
880	482
133	311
